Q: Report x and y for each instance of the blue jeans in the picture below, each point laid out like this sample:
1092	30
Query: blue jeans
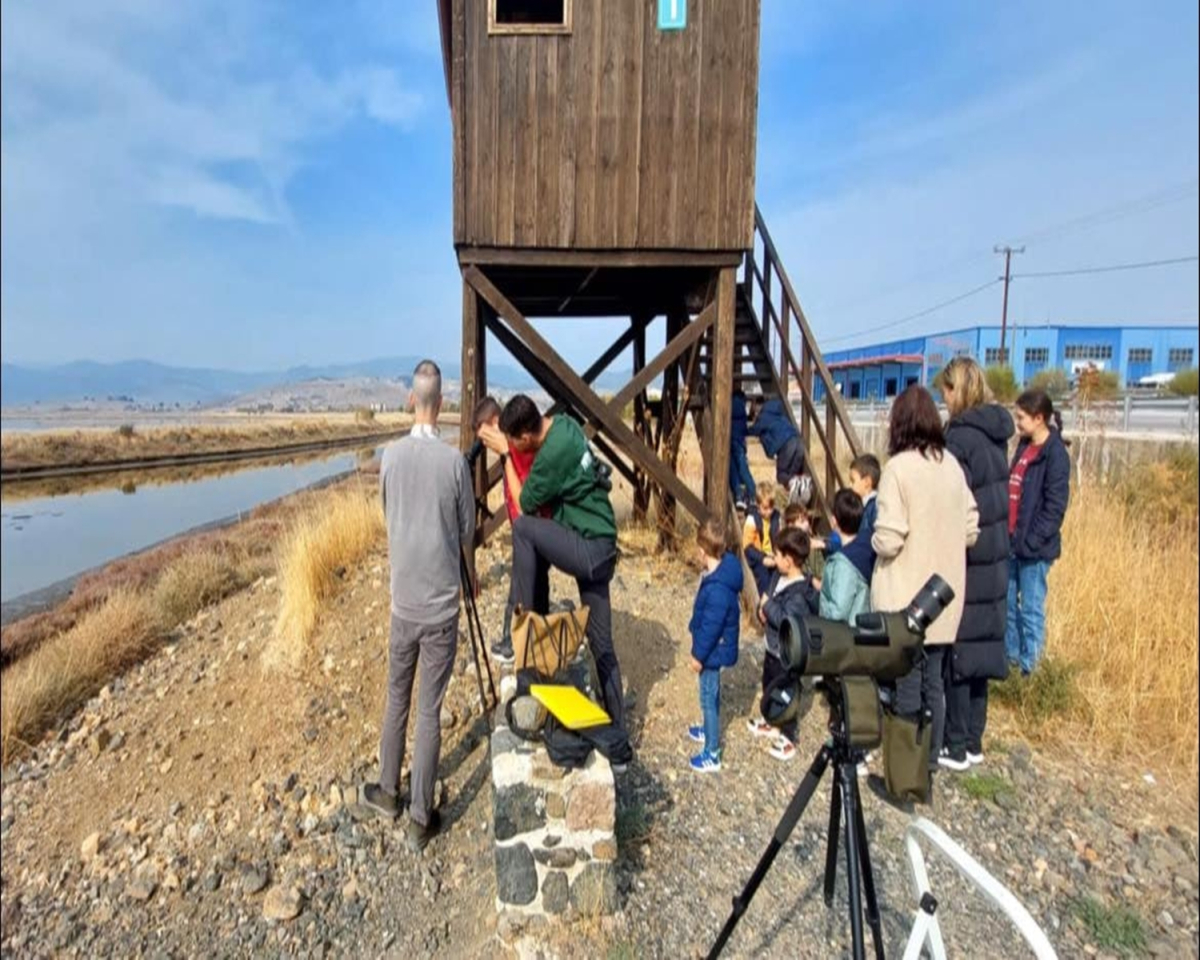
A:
1025	634
710	707
739	473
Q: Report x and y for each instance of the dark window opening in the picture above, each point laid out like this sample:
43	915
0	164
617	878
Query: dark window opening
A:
889	387
529	16
855	391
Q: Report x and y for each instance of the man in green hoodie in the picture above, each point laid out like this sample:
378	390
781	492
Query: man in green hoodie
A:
579	537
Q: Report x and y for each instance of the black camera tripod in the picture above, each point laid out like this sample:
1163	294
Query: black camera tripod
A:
475	630
845	814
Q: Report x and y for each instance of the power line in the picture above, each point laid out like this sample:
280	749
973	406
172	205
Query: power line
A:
917	315
1107	269
1143	204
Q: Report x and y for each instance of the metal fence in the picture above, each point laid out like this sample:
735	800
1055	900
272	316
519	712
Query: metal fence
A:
1164	416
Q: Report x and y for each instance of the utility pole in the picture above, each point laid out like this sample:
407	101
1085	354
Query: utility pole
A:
1008	252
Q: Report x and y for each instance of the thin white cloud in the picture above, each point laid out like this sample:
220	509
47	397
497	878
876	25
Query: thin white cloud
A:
86	104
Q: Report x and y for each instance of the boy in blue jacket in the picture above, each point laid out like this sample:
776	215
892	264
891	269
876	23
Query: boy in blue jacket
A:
715	624
790	594
846	579
781	442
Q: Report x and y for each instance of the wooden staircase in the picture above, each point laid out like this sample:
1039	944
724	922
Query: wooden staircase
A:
776	354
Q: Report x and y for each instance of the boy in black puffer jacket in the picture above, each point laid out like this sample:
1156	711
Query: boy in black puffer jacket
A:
790	594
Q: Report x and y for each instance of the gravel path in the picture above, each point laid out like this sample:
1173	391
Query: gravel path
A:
202	805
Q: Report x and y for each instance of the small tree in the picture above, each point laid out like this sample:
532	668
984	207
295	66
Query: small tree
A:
364	415
1185	384
1053	381
1002	382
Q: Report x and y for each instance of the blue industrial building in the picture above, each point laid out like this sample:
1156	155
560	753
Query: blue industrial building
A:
885	369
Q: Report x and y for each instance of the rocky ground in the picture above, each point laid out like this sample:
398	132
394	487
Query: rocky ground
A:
203	804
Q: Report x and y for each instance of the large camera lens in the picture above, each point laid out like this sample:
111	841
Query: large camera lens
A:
928	604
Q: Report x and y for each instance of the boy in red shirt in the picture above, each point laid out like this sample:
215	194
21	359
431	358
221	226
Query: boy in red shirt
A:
486	422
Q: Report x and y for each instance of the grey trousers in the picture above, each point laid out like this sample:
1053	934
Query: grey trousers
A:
432	648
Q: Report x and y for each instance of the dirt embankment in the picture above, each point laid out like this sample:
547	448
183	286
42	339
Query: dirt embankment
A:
86	449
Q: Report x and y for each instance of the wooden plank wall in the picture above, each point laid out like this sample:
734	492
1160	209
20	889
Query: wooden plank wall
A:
617	136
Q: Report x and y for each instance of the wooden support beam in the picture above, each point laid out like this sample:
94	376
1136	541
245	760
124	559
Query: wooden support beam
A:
604	360
592	405
691	334
832	472
669	428
721	394
509	257
641	490
474	386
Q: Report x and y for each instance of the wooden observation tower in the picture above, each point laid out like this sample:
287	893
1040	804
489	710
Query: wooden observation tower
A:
604	167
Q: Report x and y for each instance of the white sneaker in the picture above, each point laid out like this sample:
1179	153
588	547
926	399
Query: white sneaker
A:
760	728
782	748
974	759
950	763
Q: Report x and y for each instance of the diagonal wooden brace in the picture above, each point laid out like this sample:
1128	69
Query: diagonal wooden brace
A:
595	408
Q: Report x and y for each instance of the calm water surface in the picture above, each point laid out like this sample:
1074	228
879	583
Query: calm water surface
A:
51	538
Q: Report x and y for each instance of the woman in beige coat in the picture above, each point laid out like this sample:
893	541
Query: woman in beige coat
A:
927	519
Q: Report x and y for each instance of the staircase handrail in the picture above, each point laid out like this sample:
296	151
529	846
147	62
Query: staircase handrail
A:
773	262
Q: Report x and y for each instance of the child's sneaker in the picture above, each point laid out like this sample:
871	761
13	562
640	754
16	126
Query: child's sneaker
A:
760	728
782	748
974	759
705	762
696	733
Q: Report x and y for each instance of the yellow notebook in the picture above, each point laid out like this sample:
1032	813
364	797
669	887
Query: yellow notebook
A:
570	707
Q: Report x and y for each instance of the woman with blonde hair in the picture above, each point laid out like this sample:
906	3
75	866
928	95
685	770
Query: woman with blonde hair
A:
977	436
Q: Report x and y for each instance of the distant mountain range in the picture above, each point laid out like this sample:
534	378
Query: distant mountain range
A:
145	382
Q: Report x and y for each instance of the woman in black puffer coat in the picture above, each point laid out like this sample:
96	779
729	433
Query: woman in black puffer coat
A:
977	435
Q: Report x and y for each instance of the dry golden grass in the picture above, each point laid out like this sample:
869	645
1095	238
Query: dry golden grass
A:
94	446
195	580
1121	611
321	543
64	672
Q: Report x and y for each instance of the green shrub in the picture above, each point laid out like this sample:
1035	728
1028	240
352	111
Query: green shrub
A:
1053	381
1002	382
364	415
985	786
125	431
1051	691
1185	384
633	824
1118	929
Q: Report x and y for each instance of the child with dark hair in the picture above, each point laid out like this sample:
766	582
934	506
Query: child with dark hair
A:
865	472
715	625
846	579
790	593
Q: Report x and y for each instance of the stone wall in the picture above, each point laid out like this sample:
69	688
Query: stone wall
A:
555	830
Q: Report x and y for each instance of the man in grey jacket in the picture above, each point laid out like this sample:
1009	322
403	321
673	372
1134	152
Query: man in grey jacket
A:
430	509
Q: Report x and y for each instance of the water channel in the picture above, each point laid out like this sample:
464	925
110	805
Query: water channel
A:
50	534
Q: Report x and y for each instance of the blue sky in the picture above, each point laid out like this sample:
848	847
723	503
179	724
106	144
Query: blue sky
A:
256	185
